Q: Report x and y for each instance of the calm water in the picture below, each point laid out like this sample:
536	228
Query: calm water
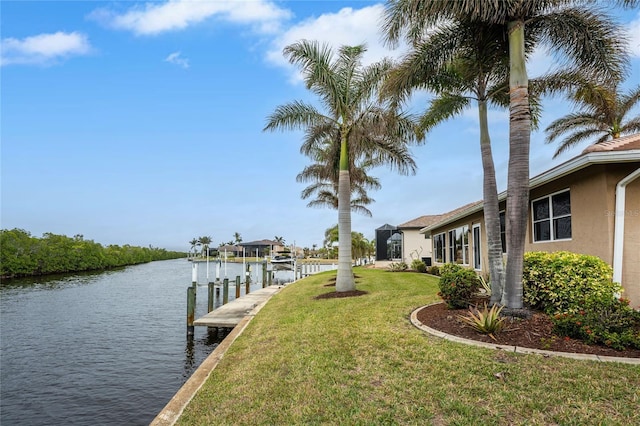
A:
104	348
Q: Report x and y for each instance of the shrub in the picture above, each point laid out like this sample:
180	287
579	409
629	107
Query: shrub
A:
418	265
457	285
609	322
565	282
433	270
398	266
486	321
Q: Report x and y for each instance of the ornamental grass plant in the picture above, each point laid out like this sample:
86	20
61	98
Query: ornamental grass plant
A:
359	361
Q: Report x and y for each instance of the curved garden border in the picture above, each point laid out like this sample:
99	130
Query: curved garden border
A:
517	349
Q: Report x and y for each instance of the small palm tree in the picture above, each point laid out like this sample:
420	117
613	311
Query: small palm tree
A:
603	115
325	187
194	243
353	119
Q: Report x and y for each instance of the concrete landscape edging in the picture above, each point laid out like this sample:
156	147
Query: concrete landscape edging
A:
517	349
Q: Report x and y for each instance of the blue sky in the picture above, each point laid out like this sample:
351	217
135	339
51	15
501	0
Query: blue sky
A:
141	123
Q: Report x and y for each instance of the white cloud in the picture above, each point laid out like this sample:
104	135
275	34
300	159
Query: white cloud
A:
346	27
43	48
634	37
177	59
154	18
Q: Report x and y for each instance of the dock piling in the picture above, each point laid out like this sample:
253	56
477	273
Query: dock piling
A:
247	281
210	301
191	310
237	286
225	291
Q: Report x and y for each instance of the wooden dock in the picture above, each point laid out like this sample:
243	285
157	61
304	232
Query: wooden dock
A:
230	314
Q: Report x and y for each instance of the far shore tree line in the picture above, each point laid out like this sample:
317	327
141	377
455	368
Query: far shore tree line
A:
22	254
463	53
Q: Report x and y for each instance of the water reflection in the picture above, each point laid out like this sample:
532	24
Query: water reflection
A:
213	337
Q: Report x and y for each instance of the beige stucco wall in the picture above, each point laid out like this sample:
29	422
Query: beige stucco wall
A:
414	245
592	197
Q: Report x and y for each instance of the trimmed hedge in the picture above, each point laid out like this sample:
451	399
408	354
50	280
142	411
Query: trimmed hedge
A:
457	285
566	282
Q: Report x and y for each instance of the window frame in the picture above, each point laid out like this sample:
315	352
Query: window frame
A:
551	218
477	246
443	247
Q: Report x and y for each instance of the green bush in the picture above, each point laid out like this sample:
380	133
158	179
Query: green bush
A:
398	266
566	282
434	270
418	265
609	322
457	285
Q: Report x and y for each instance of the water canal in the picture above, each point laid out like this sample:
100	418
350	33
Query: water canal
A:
105	348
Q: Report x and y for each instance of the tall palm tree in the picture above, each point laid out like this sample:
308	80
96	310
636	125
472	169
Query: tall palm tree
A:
463	62
353	118
603	115
205	242
586	37
237	237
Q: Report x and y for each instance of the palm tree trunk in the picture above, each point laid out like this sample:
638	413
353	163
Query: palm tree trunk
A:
491	208
344	280
518	175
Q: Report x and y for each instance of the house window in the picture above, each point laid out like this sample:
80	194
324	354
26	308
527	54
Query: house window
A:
394	246
476	247
452	246
439	247
503	231
459	245
552	217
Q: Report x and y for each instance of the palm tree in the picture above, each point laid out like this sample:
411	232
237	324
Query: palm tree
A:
324	174
279	240
237	238
348	91
586	37
602	116
331	236
205	242
463	62
194	243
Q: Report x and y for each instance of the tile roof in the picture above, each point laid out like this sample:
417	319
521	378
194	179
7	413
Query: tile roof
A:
430	220
623	143
422	221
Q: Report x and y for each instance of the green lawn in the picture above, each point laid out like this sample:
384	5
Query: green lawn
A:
359	361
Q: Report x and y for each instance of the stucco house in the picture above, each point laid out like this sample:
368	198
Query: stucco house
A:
405	242
589	204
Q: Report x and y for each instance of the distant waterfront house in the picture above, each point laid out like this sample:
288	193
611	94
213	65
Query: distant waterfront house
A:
261	247
589	204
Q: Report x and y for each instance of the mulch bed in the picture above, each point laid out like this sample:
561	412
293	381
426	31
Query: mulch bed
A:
535	332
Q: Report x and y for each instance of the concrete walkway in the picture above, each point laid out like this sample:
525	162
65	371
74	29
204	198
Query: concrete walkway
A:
230	314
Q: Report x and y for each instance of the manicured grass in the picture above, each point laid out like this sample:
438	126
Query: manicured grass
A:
359	361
